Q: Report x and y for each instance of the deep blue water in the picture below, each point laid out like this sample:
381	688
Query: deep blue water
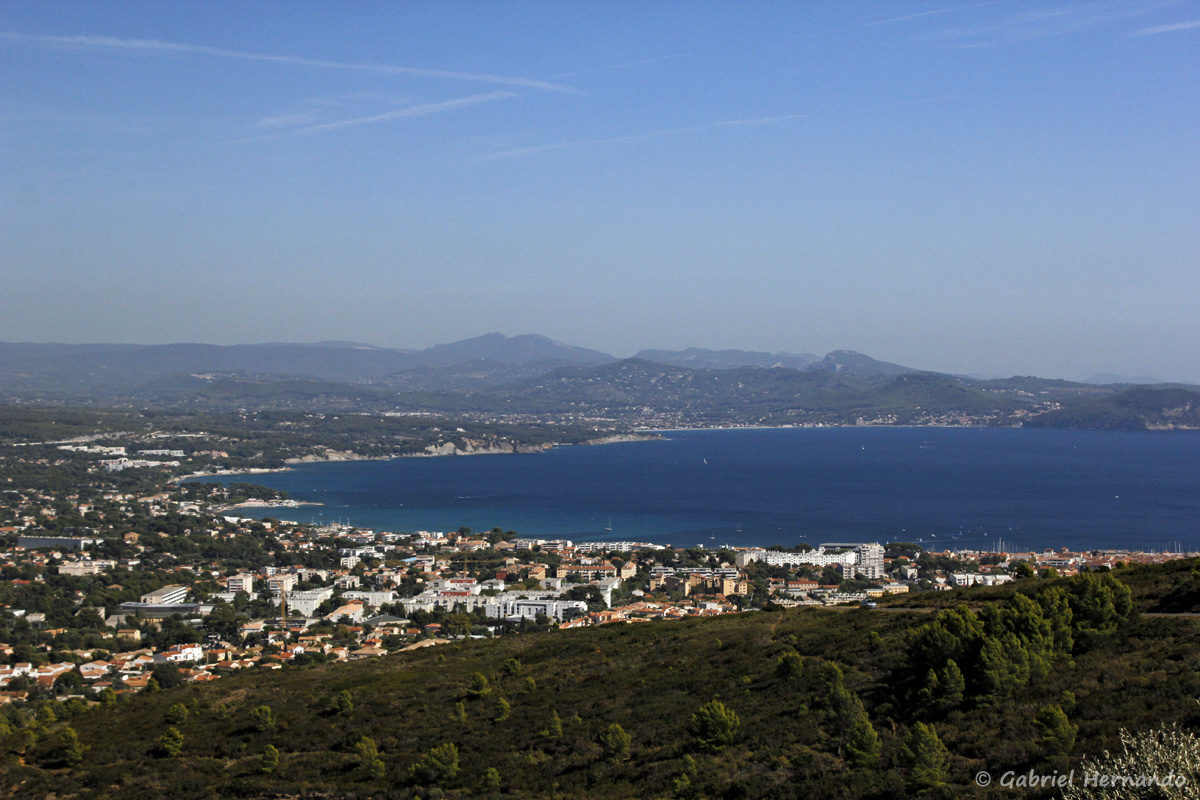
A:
957	487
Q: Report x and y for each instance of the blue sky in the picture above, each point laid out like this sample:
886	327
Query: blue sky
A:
991	187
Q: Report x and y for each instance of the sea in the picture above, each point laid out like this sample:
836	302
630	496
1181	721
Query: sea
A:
945	488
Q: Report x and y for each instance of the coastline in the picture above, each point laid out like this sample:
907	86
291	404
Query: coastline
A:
449	449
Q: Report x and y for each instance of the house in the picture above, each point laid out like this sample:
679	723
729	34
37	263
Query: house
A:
352	611
179	653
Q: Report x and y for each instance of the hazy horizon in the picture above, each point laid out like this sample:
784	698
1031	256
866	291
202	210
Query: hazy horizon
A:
990	187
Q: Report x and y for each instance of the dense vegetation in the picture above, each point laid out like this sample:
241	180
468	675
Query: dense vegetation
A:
262	438
798	703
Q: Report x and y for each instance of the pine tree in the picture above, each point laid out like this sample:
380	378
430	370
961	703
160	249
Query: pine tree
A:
177	713
172	741
263	718
615	742
928	756
72	750
1057	733
862	742
438	765
369	763
714	725
953	684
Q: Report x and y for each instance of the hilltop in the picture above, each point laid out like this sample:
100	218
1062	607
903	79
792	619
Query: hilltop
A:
809	703
496	376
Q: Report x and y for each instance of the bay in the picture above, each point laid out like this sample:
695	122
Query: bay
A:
944	487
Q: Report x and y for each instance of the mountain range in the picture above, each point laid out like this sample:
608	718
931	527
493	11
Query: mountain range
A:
496	374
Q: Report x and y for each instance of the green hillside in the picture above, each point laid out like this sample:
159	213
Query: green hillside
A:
810	703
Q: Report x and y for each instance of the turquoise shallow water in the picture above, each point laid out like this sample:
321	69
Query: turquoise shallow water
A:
960	487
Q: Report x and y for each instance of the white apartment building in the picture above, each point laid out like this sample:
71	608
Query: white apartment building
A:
375	599
307	602
242	582
282	582
167	595
813	558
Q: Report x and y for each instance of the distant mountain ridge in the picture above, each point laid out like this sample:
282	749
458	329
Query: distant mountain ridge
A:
497	375
702	358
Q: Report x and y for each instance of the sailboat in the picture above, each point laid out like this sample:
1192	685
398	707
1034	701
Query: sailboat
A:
739	527
608	527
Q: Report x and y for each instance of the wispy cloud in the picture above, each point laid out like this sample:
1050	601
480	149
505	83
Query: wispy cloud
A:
520	152
285	125
1025	24
931	13
423	110
758	120
156	47
1178	26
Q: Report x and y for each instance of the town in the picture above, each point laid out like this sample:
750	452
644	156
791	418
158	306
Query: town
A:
105	591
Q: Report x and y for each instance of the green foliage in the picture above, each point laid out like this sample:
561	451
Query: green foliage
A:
370	765
1100	604
69	745
1167	750
503	710
491	780
952	685
177	714
715	726
808	735
438	765
512	666
789	666
269	762
460	712
863	746
171	741
262	718
615	742
343	703
684	783
1055	731
46	714
555	729
478	685
927	757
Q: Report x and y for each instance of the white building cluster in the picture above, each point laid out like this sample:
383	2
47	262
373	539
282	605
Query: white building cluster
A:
864	559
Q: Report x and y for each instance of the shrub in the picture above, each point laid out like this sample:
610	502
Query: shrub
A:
615	742
1057	733
790	666
503	710
477	685
262	718
1167	751
715	725
369	763
438	765
270	759
177	714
